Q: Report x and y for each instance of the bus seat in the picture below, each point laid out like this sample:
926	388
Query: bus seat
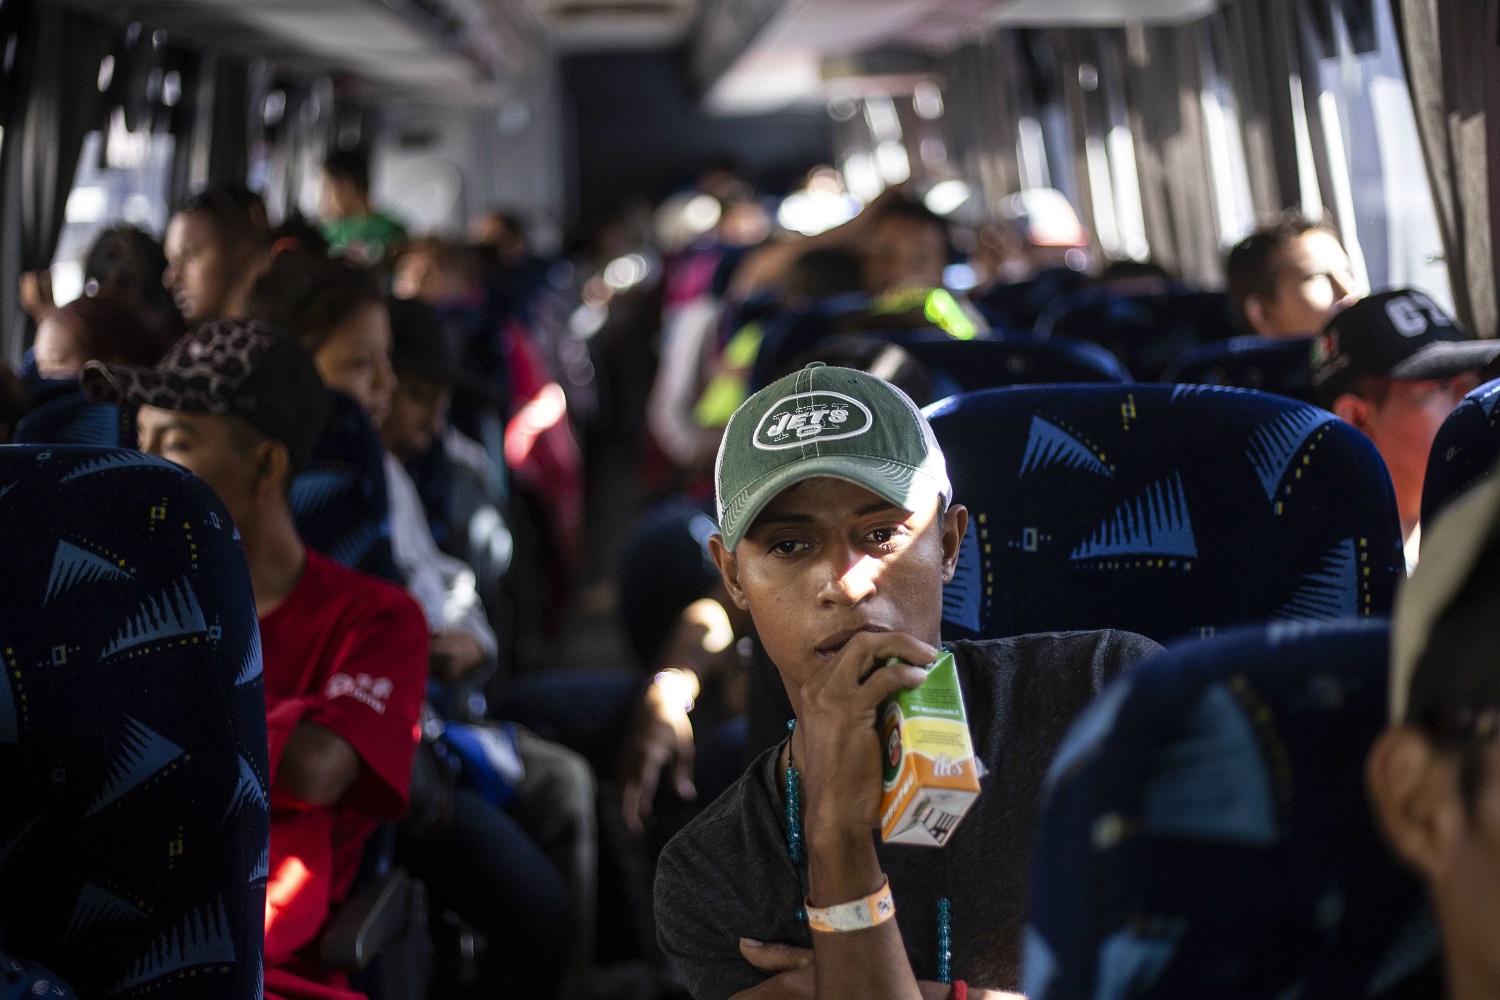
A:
790	333
340	501
73	418
971	365
1205	831
1146	332
1164	510
1464	450
134	831
1278	366
1017	306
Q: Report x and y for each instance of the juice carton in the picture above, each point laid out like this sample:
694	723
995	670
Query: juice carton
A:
931	776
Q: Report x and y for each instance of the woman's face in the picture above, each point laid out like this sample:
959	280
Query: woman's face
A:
356	360
200	268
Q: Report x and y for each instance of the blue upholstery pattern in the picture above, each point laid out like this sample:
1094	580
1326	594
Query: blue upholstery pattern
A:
1146	332
1278	366
1162	510
73	418
340	500
1017	306
1464	450
134	833
1205	831
970	365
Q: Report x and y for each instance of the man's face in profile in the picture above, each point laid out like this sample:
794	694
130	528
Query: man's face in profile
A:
1314	280
827	559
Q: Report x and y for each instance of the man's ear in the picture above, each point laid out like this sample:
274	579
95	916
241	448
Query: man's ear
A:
273	468
955	523
1414	789
1255	315
729	569
1354	410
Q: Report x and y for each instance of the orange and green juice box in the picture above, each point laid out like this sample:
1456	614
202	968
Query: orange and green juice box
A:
931	776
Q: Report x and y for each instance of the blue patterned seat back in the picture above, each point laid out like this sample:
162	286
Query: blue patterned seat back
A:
791	332
970	365
73	418
1146	332
1278	366
340	500
1163	510
1464	450
1205	831
133	834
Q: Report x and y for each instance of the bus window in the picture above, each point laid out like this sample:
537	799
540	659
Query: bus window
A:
1381	196
127	183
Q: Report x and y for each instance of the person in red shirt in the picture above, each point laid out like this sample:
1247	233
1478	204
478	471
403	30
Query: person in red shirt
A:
344	654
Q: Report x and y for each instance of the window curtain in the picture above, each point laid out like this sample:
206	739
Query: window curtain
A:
229	124
1164	78
59	55
1453	70
1260	37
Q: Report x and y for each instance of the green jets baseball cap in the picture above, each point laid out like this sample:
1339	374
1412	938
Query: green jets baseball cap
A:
824	421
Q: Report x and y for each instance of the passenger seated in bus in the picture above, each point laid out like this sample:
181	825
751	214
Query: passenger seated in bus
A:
98	328
127	263
216	247
345	655
353	226
1288	279
842	566
336	312
417	423
1395	365
1134	277
1434	775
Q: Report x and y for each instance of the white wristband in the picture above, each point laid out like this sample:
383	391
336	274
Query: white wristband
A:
874	909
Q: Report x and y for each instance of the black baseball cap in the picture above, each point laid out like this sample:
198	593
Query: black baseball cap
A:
242	367
1399	334
420	345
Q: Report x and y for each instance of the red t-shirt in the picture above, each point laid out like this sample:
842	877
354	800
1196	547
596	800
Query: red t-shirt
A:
347	652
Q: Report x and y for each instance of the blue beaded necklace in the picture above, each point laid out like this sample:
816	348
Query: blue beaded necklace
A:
795	851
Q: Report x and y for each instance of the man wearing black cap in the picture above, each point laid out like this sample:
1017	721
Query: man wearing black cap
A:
345	655
1395	365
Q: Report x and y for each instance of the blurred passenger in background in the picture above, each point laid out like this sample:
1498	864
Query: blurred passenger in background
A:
99	328
1434	775
126	263
351	224
1395	365
216	248
1288	279
1134	277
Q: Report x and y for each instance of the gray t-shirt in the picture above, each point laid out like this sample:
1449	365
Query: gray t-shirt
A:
727	874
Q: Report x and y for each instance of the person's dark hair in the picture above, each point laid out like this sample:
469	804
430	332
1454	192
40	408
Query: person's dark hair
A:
310	295
1455	688
1251	265
880	358
914	211
237	213
1132	270
819	274
115	332
347	165
128	262
296	232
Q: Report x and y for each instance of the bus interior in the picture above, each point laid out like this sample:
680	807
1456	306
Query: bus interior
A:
382	383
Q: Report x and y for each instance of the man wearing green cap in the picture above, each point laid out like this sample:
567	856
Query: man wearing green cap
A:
838	532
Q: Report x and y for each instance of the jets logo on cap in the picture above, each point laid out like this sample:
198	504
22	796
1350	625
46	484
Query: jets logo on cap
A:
811	417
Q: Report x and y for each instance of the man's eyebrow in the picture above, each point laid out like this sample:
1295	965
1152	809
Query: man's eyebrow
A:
781	517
